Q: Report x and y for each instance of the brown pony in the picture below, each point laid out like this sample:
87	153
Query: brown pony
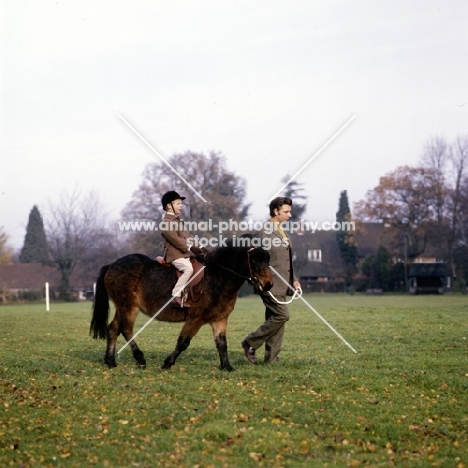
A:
137	283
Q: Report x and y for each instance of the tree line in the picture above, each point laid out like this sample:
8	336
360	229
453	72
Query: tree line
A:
425	210
77	234
420	205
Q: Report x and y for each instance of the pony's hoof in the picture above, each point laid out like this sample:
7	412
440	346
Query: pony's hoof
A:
163	368
110	364
228	368
141	366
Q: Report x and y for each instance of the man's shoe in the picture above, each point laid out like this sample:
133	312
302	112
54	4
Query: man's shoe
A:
249	352
178	302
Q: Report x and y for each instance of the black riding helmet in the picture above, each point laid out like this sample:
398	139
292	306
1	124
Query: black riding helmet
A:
169	197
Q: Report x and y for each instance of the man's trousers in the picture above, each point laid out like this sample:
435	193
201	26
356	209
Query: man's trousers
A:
271	332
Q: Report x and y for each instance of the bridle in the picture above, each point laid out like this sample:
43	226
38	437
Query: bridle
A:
253	280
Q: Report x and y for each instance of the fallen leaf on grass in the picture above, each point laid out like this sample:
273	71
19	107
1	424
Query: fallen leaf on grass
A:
227	442
371	447
257	456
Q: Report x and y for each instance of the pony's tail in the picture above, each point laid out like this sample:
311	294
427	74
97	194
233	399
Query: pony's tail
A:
98	327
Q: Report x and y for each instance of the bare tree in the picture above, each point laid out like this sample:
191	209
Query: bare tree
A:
436	157
462	230
459	162
75	230
450	164
460	249
6	252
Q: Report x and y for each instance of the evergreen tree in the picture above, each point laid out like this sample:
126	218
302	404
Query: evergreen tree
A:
294	191
381	273
378	270
346	240
35	248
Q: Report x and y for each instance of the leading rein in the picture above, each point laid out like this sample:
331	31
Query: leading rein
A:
297	295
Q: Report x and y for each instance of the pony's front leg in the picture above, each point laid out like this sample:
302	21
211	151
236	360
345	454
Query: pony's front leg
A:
219	335
189	330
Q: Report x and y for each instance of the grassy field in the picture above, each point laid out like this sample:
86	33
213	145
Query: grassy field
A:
400	401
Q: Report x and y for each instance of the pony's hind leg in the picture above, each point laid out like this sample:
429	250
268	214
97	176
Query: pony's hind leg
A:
189	330
113	333
123	323
219	335
126	328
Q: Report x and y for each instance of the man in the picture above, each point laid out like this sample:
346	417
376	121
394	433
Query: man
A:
271	332
177	247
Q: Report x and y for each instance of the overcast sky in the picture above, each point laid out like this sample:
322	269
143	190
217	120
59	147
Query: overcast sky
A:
266	83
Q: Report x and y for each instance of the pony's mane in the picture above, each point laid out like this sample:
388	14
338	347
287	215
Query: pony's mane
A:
226	253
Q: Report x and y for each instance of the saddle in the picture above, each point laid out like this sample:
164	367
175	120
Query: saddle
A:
197	266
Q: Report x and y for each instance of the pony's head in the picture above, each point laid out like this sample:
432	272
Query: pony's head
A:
252	258
260	273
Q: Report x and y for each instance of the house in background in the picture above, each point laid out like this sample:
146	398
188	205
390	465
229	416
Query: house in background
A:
427	273
319	268
26	281
429	278
317	261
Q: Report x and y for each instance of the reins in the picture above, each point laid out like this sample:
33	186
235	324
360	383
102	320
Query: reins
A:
251	279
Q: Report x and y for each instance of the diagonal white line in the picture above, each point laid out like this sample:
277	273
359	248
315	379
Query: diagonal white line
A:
327	324
157	313
181	177
313	157
315	312
282	279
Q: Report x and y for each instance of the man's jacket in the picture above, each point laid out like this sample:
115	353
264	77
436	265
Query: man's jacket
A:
281	261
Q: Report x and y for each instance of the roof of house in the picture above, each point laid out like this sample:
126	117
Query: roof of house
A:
331	264
429	269
433	248
369	236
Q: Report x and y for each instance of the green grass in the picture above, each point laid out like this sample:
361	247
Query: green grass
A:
400	401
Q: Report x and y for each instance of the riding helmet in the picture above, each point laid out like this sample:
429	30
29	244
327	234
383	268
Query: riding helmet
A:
169	197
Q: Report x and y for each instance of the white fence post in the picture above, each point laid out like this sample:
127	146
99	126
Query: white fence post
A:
47	296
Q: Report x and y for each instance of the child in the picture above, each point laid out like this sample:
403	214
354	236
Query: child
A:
177	249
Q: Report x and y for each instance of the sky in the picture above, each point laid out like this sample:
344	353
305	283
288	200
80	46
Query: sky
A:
266	83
